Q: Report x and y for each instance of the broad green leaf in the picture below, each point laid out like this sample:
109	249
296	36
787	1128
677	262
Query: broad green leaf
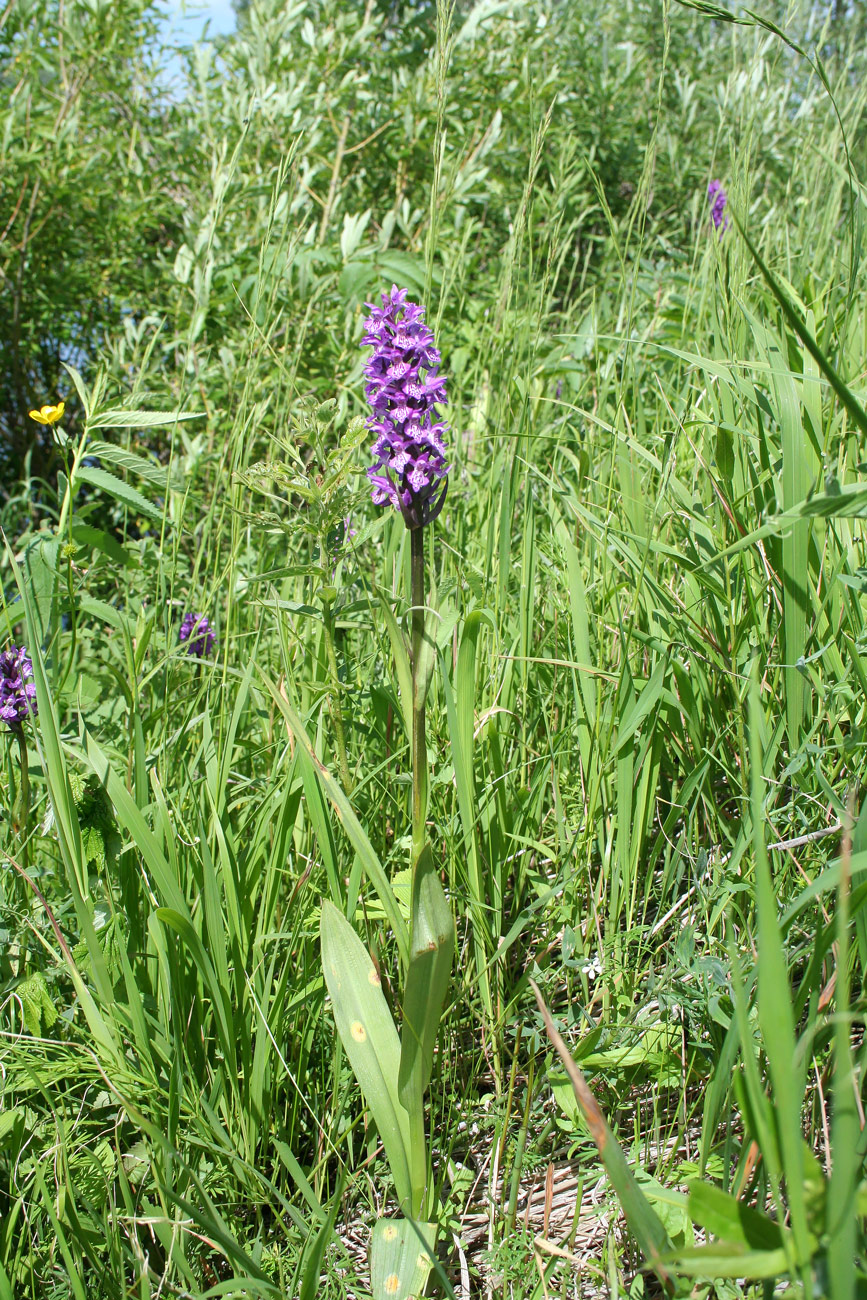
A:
80	386
130	818
69	838
401	1258
40	567
90	537
102	611
838	501
368	1035
461	715
730	1219
578	605
722	1260
799	468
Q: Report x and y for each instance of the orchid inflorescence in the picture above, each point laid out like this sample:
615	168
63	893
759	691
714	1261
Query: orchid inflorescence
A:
404	387
198	635
17	691
718	200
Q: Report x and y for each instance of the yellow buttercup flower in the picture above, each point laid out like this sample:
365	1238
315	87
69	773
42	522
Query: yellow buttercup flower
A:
49	414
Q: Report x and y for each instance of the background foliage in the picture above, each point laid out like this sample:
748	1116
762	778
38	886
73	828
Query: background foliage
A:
632	410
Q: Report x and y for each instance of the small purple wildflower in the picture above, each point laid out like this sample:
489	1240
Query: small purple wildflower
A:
718	199
199	635
404	387
17	696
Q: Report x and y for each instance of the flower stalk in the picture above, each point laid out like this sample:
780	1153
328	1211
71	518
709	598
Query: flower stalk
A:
419	692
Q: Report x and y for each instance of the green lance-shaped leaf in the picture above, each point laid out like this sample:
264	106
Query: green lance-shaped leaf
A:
401	1256
432	946
644	1223
368	1035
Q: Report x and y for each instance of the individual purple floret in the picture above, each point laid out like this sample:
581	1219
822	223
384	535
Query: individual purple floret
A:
198	634
403	388
718	199
17	695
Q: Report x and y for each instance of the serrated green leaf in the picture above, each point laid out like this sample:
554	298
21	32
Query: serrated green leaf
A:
368	1035
149	470
120	419
122	492
36	1004
93	846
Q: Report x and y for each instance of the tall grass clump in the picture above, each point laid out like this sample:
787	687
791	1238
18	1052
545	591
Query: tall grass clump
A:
452	894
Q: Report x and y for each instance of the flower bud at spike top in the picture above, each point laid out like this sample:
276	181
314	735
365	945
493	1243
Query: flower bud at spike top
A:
197	632
404	387
17	695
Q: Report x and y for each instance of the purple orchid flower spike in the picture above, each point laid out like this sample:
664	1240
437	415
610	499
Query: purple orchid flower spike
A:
718	200
404	387
17	691
198	634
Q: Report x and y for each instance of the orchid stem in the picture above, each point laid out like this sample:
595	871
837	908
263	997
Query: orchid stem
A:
419	742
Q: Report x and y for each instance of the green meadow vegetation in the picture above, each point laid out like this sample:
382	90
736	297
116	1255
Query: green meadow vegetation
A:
642	799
